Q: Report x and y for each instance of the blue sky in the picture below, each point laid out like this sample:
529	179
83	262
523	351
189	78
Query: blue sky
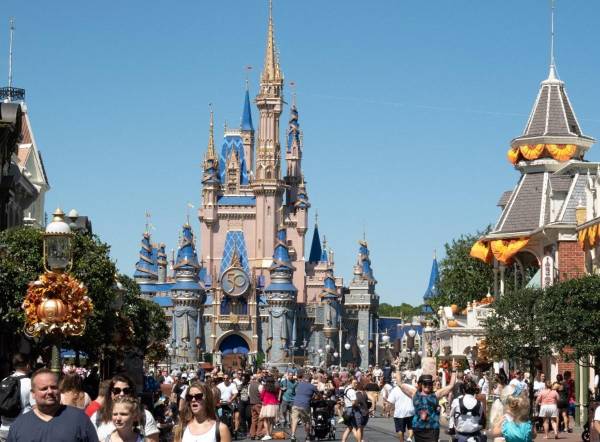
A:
407	108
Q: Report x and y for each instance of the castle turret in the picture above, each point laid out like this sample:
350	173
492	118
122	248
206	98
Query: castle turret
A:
281	298
146	269
161	261
293	156
211	182
187	293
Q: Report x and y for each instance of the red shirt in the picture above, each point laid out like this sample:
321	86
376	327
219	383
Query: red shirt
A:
268	398
92	408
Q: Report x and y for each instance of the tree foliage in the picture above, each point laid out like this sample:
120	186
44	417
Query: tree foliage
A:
463	278
573	318
403	310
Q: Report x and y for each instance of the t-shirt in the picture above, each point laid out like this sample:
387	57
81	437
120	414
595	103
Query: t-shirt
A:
349	396
104	429
26	400
92	408
68	425
304	392
227	391
289	390
387	374
403	405
484	386
548	397
597	414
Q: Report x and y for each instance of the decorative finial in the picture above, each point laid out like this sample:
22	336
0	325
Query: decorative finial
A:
316	217
148	216
434	254
10	55
271	69
324	242
247	68
281	212
552	74
364	230
293	88
187	210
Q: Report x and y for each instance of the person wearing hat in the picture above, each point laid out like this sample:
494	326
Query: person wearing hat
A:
426	421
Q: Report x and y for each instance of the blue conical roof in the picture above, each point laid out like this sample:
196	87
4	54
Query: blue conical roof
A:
315	248
329	288
186	255
282	269
434	278
147	266
247	113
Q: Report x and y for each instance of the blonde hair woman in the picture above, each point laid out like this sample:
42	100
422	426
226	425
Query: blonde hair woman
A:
126	419
198	421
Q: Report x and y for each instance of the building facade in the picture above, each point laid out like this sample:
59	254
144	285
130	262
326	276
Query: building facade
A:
253	293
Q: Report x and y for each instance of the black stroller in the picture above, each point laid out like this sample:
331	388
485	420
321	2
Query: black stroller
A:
323	419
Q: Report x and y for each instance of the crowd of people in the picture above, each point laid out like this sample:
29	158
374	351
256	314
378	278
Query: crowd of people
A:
193	405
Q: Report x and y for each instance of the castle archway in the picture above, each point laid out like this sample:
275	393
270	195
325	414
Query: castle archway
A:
234	349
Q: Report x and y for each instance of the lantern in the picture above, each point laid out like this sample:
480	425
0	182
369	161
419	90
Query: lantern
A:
57	244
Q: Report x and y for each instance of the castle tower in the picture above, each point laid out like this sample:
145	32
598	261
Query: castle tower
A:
281	299
187	294
364	303
161	261
267	185
146	269
293	155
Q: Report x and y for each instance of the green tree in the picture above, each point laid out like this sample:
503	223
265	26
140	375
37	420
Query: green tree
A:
516	329
572	319
403	310
462	278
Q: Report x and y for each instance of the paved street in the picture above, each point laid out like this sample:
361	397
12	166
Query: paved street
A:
382	429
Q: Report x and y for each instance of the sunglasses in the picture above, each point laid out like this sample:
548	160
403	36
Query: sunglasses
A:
126	390
197	397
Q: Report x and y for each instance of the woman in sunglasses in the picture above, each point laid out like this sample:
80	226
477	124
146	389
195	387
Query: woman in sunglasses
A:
198	421
120	386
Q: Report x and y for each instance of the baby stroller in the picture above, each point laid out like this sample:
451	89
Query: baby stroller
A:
323	419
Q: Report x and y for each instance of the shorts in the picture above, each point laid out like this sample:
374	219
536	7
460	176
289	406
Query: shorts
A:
427	435
548	410
299	413
571	409
403	423
285	406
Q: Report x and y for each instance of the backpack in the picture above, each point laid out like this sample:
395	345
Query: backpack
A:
10	396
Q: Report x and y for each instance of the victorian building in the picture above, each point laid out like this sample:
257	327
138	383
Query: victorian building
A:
253	293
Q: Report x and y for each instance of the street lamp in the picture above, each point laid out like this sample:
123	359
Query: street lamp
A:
410	344
57	244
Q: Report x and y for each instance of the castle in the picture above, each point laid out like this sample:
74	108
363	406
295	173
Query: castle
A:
254	297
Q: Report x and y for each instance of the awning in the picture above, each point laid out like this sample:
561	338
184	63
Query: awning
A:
502	249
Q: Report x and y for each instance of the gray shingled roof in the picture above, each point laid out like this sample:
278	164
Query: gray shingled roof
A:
560	183
577	195
504	198
552	113
523	212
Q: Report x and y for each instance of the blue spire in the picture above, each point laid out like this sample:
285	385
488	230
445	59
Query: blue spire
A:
247	113
364	262
293	129
324	257
282	269
434	279
315	248
186	255
147	266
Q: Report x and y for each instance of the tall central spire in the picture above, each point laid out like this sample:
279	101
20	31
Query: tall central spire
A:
271	70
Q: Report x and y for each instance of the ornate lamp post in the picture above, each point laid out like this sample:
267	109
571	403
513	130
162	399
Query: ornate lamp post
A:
57	303
410	344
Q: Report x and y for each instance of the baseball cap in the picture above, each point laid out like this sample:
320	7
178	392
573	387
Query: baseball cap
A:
425	379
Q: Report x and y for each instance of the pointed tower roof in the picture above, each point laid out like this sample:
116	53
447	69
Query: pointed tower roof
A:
247	113
315	248
146	267
282	269
363	264
329	289
434	278
302	196
552	120
271	71
186	254
211	162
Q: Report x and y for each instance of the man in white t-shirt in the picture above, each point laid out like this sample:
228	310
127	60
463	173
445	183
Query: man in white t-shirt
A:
403	413
22	369
228	390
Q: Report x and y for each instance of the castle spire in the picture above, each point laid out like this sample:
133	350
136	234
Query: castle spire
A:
552	74
211	162
315	248
247	112
271	70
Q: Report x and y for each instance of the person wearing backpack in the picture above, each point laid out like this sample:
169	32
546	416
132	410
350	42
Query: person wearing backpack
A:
15	394
468	415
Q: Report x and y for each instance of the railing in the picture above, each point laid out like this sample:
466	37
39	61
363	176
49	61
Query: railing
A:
12	93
